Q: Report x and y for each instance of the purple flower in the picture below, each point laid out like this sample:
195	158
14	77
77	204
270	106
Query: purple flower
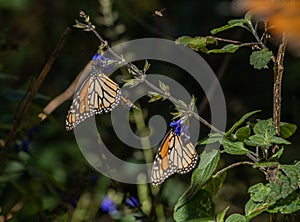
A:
176	125
108	206
180	129
132	202
101	63
98	57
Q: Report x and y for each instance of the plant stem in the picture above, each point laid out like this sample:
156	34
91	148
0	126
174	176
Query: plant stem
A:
90	27
36	87
278	72
232	166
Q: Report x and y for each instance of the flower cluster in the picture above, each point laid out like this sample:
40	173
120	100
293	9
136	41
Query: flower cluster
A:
180	129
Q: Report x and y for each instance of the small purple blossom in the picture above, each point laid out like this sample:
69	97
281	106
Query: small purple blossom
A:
180	129
108	206
132	202
98	57
101	63
176	125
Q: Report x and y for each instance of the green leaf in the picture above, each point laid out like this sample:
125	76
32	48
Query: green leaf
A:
278	140
215	183
196	43
199	207
212	138
207	165
221	215
287	129
259	192
258	140
253	209
234	148
260	59
277	155
231	24
240	122
288	205
230	48
243	133
265	127
236	218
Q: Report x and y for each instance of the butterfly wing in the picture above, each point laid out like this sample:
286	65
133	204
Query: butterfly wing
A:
80	109
174	156
97	94
104	94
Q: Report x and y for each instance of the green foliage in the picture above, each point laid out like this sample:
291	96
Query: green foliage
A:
203	172
260	59
278	195
231	24
196	43
230	48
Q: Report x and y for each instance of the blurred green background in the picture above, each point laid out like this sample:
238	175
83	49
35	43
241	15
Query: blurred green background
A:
44	170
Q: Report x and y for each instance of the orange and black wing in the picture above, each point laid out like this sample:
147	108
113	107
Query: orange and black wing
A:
104	94
174	156
80	109
97	94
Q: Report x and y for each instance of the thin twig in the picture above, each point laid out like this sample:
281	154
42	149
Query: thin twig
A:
232	166
35	88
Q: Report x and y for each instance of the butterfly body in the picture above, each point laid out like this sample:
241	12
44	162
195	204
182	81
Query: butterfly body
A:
175	155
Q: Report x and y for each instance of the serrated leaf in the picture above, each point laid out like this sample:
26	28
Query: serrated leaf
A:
287	129
212	138
230	48
240	122
207	165
234	148
265	127
236	218
231	24
243	133
200	206
260	59
221	215
259	192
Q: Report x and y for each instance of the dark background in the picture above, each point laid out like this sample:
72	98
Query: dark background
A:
29	31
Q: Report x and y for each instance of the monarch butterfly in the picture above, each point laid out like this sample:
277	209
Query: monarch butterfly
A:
175	155
97	94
